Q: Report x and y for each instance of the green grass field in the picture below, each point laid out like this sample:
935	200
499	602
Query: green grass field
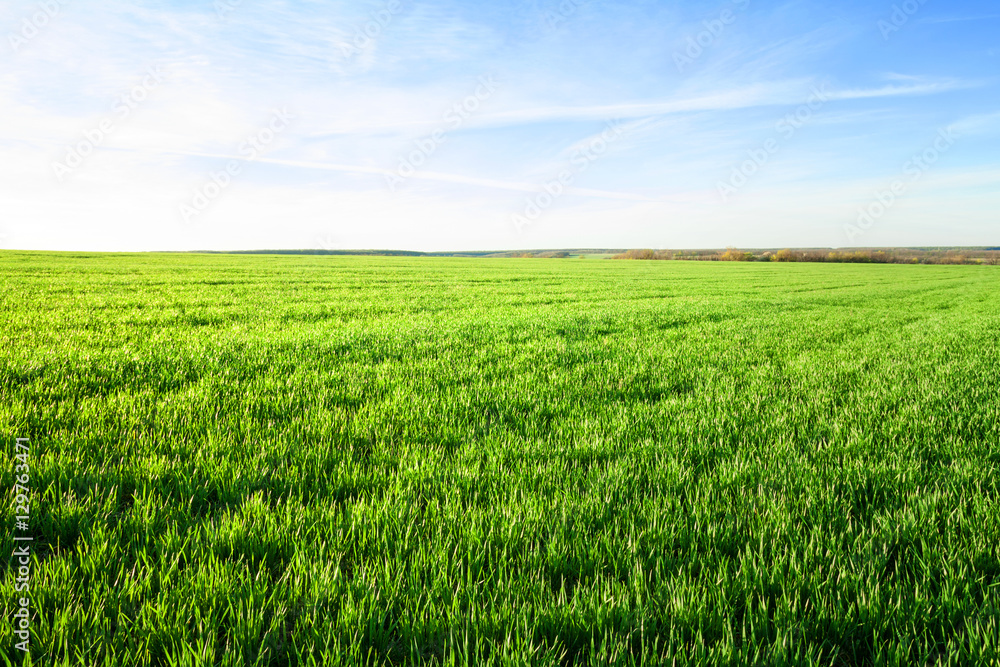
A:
256	460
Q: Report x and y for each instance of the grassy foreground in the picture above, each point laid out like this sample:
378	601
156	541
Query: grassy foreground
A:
340	460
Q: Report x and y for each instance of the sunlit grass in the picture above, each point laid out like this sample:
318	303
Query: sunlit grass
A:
340	460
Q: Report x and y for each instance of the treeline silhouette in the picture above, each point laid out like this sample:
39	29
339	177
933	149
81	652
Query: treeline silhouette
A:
989	256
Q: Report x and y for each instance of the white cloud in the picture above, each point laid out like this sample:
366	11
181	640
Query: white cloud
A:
355	115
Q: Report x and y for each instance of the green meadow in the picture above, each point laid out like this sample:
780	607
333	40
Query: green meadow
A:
308	460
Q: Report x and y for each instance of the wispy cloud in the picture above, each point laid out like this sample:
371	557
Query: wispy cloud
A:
988	123
356	114
931	88
959	19
774	94
421	175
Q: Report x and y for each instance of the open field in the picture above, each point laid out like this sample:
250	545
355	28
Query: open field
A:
351	460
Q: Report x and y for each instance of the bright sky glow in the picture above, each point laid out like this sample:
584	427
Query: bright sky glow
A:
446	125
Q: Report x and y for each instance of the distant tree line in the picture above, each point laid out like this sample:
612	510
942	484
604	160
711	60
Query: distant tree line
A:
491	254
553	254
858	255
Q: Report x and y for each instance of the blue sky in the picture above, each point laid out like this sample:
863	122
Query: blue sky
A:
447	125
